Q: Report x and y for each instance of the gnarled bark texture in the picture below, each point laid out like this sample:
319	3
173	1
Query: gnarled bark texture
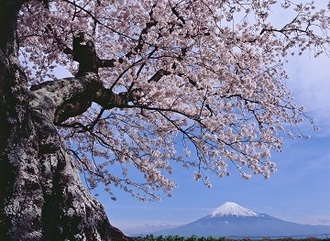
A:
41	195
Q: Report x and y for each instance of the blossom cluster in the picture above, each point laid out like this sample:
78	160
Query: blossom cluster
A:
211	80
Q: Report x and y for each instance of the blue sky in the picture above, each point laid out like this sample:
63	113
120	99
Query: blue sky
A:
298	192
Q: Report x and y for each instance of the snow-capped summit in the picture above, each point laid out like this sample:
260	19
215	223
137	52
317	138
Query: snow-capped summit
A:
231	219
232	209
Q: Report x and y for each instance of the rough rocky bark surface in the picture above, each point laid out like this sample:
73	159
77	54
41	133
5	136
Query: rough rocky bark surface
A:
41	195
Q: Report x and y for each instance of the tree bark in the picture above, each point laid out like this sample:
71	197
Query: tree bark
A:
41	195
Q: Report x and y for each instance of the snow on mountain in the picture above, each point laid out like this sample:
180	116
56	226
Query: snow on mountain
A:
232	209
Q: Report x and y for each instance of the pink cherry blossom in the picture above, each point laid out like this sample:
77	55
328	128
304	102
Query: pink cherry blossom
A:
208	79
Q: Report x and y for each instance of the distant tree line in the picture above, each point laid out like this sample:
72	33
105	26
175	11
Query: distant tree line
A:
210	238
178	238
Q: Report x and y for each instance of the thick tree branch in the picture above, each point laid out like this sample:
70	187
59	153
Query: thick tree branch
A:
158	75
70	97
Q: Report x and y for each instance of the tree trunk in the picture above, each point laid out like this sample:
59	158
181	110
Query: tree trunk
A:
41	195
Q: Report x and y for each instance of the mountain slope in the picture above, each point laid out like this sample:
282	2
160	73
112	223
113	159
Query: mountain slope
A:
231	219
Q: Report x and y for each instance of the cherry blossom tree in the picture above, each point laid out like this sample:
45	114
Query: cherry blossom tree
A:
150	83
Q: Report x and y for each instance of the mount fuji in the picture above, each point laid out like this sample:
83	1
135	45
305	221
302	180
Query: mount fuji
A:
233	220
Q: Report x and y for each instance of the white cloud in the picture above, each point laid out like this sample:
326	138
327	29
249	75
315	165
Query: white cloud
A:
144	226
310	85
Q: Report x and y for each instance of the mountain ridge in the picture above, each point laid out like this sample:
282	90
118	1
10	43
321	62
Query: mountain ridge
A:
233	220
